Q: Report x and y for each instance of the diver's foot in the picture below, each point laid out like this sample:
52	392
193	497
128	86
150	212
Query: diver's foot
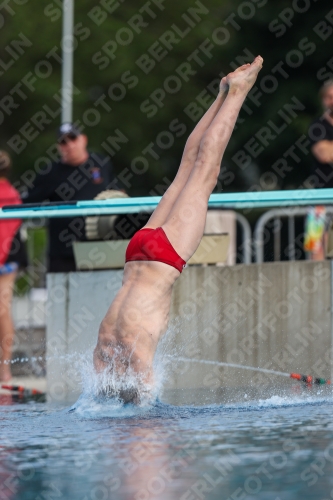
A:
224	86
242	79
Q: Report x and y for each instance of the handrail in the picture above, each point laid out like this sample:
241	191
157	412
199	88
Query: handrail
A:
234	201
247	238
258	237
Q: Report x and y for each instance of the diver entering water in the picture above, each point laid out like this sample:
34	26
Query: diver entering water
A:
156	255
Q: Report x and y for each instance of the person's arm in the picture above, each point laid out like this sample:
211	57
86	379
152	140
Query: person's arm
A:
323	151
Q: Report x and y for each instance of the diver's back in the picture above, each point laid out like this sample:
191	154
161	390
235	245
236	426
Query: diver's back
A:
143	302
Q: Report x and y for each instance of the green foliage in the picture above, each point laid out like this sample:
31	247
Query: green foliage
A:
35	273
246	32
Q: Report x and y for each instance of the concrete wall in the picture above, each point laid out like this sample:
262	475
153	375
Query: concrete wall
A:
275	316
28	314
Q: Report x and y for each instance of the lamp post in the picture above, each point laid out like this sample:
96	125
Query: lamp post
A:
67	61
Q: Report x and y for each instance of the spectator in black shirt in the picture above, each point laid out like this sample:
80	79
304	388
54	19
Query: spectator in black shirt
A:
78	175
321	137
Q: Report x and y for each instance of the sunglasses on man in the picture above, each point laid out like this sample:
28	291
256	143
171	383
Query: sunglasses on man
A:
67	138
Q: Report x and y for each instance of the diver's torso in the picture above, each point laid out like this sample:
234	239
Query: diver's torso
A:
139	314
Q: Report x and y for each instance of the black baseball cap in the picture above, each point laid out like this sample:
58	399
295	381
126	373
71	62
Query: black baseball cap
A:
67	130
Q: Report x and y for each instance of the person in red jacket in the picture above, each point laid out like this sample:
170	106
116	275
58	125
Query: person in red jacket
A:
10	261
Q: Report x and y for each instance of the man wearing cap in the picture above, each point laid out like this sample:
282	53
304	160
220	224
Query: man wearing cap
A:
78	175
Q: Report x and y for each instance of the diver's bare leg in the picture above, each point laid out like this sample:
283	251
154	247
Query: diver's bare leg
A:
185	224
189	157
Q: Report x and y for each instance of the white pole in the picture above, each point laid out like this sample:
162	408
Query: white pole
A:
67	61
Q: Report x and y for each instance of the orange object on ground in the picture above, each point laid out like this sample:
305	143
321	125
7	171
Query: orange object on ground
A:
20	388
309	380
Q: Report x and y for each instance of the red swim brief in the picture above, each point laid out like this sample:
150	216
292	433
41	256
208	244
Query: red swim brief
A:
153	244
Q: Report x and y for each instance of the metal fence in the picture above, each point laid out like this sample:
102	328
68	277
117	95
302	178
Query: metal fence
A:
276	215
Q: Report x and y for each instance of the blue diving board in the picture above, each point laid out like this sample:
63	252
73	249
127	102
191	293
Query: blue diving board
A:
234	201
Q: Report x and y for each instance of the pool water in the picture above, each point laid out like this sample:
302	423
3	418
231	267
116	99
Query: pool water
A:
280	447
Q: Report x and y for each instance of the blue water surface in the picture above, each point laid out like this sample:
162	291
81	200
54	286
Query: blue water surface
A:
273	448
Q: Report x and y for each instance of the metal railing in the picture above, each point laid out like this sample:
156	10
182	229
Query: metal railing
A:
246	246
276	215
